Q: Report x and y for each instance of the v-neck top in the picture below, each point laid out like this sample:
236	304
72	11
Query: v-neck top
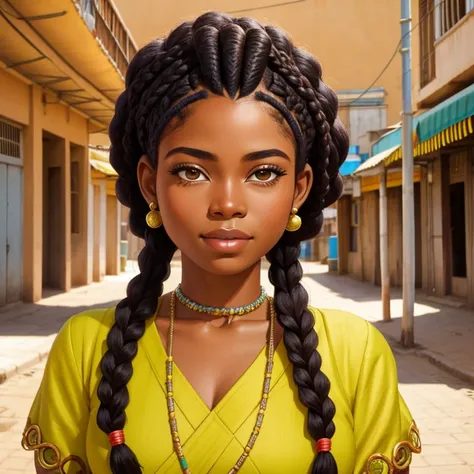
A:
375	433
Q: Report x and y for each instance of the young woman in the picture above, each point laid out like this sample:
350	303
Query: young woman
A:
227	146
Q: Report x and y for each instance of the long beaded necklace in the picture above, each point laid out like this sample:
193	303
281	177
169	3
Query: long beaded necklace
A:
263	402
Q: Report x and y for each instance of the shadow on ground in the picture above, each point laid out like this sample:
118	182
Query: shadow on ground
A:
40	320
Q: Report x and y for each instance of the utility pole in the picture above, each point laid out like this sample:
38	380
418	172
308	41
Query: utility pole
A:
407	336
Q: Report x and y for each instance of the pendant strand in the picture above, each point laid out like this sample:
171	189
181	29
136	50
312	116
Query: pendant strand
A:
263	402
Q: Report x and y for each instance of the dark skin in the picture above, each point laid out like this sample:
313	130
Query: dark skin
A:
235	184
225	191
230	191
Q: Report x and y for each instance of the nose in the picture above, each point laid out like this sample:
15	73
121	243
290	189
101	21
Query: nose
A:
228	201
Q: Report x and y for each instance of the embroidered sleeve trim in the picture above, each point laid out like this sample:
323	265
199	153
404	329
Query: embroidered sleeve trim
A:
48	455
401	456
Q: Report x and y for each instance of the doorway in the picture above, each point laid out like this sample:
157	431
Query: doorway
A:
11	213
458	239
11	233
456	251
54	202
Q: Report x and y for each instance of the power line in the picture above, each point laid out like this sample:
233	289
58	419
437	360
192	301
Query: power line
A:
264	7
422	19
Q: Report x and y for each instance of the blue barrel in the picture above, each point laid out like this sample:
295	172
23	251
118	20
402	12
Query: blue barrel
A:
305	252
332	257
333	246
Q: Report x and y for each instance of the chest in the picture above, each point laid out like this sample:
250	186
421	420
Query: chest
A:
213	359
213	440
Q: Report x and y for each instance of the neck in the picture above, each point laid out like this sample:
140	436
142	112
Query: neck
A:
220	290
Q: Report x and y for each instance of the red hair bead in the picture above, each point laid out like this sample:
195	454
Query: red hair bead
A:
323	445
116	438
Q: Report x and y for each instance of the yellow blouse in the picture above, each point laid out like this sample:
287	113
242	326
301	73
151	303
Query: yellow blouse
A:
375	433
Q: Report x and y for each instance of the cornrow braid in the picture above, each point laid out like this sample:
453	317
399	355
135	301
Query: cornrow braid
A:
220	53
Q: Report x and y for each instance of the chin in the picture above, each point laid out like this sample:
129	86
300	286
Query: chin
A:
225	264
229	265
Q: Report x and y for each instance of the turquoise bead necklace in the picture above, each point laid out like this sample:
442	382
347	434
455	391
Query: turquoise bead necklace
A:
229	313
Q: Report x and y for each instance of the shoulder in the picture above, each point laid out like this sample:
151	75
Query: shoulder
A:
82	335
353	344
85	326
337	320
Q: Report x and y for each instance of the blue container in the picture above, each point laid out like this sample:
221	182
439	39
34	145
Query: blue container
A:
333	247
305	251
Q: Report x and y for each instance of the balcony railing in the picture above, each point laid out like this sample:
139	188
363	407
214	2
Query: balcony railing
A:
427	40
448	13
102	18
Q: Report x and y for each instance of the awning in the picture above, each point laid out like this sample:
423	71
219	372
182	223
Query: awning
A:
448	122
452	111
377	159
99	160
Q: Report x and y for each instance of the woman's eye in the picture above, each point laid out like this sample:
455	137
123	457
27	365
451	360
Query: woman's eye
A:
191	174
263	175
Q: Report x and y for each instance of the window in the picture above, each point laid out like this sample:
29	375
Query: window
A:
75	227
448	13
354	226
10	140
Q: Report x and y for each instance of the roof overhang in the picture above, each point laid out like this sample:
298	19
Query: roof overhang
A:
50	44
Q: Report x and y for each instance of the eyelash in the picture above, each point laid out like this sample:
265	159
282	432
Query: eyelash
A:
185	167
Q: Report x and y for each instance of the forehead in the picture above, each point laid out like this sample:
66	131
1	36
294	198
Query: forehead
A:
222	122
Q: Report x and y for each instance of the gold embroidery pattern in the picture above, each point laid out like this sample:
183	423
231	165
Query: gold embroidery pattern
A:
48	455
401	457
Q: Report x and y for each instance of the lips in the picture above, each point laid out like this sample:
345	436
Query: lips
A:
227	234
226	241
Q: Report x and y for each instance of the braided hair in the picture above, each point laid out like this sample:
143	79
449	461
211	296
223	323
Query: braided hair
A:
221	53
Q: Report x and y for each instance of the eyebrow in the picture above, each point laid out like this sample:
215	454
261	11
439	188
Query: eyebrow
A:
205	155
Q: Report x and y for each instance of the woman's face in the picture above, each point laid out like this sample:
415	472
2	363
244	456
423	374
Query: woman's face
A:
225	183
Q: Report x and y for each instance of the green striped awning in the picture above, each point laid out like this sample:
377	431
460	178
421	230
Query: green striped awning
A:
452	111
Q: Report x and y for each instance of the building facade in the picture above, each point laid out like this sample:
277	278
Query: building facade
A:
62	66
443	144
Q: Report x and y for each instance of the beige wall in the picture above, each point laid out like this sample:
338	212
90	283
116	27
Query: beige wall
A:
25	105
353	41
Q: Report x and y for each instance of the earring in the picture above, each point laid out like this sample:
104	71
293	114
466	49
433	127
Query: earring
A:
294	222
153	218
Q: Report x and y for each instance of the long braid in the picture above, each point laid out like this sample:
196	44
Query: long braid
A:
301	342
221	53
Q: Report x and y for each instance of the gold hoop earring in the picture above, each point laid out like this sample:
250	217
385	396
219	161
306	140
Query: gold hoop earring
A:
153	218
294	222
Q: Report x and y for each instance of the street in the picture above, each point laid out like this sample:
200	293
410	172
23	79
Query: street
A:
442	405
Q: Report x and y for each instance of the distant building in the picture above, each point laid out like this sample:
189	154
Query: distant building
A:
443	141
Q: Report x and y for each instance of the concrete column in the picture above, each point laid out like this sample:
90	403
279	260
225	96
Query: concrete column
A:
66	176
80	240
103	228
113	236
470	226
90	231
383	225
33	200
439	188
343	233
99	229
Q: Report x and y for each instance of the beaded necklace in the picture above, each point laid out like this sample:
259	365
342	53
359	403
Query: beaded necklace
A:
229	313
171	403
